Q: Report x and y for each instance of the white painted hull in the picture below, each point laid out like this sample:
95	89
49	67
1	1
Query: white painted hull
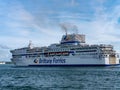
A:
60	61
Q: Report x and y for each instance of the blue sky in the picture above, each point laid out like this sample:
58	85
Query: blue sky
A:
40	21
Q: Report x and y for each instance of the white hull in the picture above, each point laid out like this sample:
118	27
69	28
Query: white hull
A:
60	61
72	50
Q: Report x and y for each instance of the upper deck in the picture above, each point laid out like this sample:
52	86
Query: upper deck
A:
70	42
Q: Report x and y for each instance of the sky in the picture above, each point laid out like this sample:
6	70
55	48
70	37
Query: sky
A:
40	21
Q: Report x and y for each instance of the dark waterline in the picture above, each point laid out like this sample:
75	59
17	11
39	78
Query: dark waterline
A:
59	78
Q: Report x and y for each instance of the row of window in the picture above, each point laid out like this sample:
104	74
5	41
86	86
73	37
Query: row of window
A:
86	51
86	48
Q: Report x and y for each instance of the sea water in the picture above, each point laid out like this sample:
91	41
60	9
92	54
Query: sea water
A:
59	78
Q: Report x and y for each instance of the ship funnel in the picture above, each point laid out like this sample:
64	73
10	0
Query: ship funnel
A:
73	39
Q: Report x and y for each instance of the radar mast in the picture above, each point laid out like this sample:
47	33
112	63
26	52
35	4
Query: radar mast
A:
30	45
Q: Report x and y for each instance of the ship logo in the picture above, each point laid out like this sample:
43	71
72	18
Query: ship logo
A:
36	61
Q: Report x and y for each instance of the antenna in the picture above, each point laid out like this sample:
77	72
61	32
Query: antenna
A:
30	45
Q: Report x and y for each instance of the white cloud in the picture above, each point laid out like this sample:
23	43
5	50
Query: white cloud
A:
103	24
74	2
102	27
5	55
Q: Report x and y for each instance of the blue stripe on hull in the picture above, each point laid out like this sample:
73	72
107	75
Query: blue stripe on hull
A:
76	65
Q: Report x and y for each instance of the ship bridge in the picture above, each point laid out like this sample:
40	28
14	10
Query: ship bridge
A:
73	39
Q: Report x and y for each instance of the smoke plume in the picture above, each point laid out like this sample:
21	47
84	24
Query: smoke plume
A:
69	27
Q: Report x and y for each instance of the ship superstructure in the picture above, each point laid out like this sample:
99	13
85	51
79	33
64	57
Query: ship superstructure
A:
72	50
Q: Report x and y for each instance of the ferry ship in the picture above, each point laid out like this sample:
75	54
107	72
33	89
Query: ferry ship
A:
71	51
2	62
